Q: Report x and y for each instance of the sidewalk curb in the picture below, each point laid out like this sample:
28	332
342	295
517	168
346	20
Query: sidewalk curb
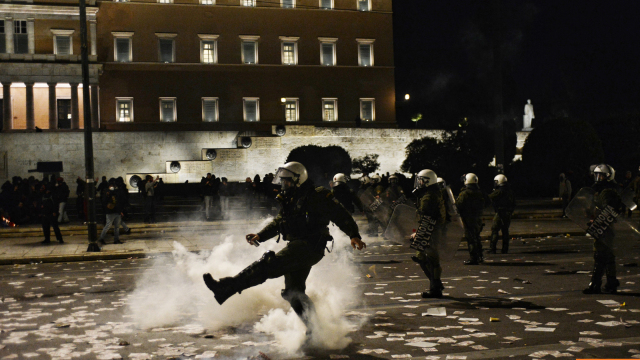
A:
142	254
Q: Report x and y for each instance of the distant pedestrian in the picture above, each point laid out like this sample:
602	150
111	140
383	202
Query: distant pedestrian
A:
113	203
149	199
61	196
224	198
209	192
564	192
49	216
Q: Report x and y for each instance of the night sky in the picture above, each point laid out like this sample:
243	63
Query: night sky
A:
572	59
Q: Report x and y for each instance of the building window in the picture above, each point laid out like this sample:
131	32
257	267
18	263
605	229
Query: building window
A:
330	109
328	51
365	52
3	39
124	109
288	4
20	37
289	50
208	49
165	1
326	4
208	2
168	109
251	109
209	109
249	49
368	109
364	5
291	109
122	46
166	50
248	3
62	42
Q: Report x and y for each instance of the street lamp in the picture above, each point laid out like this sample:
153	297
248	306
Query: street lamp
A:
407	97
283	100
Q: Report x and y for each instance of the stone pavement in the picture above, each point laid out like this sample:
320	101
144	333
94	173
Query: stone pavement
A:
22	245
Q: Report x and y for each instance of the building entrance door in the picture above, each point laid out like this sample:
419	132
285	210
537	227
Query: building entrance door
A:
64	113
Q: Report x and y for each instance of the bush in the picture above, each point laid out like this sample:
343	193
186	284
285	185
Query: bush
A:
365	165
322	162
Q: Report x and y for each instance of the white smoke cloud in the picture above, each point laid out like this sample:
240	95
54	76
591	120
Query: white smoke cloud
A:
172	293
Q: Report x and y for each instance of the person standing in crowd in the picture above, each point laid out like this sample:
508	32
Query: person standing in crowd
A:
61	196
149	199
224	193
504	202
49	216
430	208
606	194
470	203
113	203
208	190
564	192
302	222
81	206
344	194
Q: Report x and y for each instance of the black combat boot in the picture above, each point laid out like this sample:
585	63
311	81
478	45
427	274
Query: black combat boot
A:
611	287
435	291
222	289
472	261
596	280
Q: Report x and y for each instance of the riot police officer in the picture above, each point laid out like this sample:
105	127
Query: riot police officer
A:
344	194
430	208
470	203
303	222
504	202
606	194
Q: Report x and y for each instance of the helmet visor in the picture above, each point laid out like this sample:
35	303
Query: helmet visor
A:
284	174
419	182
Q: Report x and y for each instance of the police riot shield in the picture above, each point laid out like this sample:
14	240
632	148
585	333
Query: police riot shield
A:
581	209
627	198
454	230
376	206
402	224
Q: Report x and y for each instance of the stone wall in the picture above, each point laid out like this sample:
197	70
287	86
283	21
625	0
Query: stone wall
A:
122	153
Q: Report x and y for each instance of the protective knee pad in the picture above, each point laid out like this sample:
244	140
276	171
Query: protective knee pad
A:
259	268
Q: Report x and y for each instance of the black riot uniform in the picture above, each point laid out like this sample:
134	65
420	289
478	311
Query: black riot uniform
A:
504	202
347	197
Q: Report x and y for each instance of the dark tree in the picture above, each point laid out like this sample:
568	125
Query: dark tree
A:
558	146
365	165
620	137
322	162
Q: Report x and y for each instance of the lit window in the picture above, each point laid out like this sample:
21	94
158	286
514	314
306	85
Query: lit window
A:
209	109
291	109
249	49
248	3
365	52
328	51
165	1
20	37
168	109
367	109
208	2
251	109
364	5
62	42
208	49
166	50
288	4
289	50
124	109
122	49
330	109
326	4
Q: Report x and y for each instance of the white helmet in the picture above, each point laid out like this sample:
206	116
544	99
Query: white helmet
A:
291	170
441	182
499	180
603	172
375	178
339	178
425	178
470	178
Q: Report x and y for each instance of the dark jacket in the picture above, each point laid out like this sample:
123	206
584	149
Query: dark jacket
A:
112	201
61	192
503	199
347	197
431	203
210	186
306	216
471	202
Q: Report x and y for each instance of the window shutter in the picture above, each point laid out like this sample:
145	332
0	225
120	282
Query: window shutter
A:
365	54
122	50
63	45
249	49
251	110
166	50
209	110
167	111
327	54
367	110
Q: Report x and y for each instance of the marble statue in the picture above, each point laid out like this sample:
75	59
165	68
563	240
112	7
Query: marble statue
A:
528	116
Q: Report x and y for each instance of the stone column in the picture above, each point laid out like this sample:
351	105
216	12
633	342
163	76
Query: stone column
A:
8	31
92	31
75	110
31	35
53	118
95	120
31	120
7	123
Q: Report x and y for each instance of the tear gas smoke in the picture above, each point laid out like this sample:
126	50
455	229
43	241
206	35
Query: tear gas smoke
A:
172	293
